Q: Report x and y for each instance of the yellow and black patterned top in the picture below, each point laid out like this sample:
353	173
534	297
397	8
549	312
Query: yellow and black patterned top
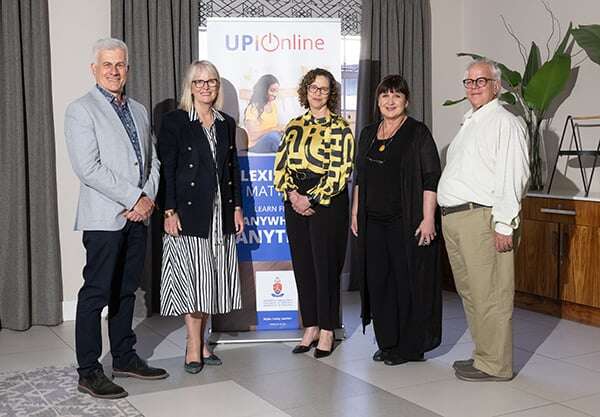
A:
324	147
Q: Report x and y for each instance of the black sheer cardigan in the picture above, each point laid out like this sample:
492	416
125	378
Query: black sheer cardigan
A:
419	170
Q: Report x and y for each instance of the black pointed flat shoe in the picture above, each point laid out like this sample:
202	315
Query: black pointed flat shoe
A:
304	349
192	367
212	360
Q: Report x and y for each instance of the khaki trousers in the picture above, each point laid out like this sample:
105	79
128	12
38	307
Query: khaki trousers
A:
485	281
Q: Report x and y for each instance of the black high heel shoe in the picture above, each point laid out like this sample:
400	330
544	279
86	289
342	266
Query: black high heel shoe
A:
324	353
304	349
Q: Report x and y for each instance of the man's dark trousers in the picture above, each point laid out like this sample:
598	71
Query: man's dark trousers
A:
114	262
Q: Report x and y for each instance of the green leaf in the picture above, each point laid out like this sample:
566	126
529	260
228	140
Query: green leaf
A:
588	37
533	63
563	44
513	78
508	98
547	83
453	102
474	56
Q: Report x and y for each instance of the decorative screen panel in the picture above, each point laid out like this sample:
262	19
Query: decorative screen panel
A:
347	10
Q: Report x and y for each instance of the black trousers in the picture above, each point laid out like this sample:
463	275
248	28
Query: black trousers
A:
114	262
389	289
318	247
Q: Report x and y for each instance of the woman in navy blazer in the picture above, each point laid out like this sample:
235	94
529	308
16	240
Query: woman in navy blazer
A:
203	211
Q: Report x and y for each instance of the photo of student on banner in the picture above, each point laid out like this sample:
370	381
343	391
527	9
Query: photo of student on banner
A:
261	117
312	167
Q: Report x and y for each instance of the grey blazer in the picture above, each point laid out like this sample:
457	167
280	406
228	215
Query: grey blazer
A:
104	160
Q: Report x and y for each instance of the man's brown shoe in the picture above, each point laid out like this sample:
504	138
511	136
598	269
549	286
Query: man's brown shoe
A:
472	374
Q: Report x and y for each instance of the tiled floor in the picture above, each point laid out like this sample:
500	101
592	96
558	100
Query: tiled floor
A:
558	364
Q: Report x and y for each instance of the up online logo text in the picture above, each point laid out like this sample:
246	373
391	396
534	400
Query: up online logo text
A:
271	42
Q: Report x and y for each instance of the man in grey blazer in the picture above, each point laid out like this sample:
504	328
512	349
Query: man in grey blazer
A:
111	149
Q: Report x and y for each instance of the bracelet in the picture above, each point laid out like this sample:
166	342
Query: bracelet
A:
237	209
169	213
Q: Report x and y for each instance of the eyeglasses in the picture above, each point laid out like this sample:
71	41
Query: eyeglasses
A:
313	88
108	66
476	83
212	83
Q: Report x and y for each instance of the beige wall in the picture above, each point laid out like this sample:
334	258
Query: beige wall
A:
446	39
74	26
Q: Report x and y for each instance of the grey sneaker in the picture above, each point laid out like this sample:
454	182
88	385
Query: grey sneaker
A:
472	374
463	363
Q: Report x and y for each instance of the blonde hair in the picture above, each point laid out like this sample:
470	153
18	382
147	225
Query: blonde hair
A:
186	102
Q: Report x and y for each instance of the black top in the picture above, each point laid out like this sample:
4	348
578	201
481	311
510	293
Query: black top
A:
188	171
416	169
382	179
382	186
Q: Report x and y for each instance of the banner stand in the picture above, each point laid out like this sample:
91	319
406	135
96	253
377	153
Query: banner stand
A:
263	336
261	61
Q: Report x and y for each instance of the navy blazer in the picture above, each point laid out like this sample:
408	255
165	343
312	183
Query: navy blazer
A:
189	171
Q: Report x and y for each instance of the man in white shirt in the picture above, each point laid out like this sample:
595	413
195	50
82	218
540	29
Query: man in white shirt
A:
480	193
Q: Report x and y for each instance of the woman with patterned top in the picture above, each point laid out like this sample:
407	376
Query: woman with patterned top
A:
203	211
312	166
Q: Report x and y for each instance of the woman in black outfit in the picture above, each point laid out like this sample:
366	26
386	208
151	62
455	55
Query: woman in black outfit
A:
394	221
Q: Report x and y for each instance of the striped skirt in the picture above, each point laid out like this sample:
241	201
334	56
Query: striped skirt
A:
193	279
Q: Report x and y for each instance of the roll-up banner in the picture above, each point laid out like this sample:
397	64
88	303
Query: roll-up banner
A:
261	62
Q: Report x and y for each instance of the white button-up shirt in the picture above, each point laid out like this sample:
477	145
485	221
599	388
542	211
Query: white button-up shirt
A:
488	163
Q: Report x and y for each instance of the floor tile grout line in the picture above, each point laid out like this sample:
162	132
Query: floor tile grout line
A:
25	352
577	365
575	409
153	330
54	334
525	390
581	355
61	339
525	409
579	398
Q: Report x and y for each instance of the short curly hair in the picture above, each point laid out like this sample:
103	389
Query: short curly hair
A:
309	78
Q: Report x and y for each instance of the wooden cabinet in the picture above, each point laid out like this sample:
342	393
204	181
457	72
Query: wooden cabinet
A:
558	259
580	265
537	260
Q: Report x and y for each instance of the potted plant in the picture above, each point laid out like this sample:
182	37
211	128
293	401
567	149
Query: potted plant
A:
533	90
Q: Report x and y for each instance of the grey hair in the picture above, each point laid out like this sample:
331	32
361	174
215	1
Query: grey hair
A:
186	102
109	44
494	68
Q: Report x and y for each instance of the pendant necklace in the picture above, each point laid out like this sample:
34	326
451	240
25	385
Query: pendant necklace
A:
391	136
